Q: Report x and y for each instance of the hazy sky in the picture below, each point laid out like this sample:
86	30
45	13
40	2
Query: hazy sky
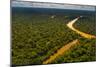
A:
86	2
53	5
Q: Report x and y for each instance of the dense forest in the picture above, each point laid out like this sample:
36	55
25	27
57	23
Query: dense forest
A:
86	24
36	36
83	52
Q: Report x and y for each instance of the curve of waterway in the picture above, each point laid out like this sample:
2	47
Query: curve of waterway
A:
85	35
69	45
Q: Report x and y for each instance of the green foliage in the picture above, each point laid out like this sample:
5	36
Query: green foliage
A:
37	36
87	24
83	52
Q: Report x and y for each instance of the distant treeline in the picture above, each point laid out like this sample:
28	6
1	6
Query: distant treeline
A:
51	11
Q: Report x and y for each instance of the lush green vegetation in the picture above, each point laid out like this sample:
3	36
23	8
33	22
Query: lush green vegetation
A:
83	52
87	24
86	49
37	36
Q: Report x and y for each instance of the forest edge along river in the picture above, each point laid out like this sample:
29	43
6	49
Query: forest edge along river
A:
61	51
69	45
85	35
